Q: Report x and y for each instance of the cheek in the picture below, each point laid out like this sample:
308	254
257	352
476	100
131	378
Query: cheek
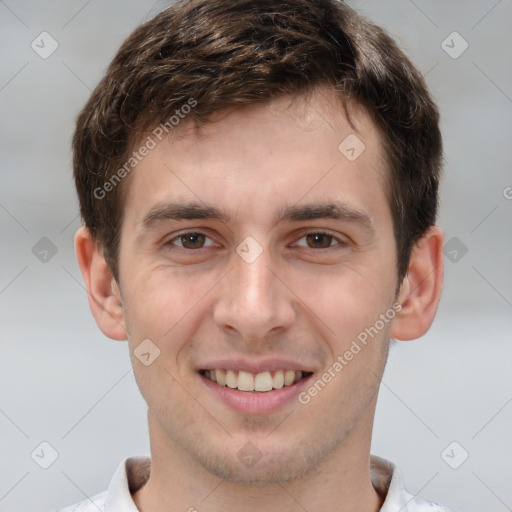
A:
157	300
345	300
166	307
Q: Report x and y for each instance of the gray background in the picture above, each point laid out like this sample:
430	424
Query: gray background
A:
64	383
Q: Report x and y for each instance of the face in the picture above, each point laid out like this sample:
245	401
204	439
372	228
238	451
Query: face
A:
255	254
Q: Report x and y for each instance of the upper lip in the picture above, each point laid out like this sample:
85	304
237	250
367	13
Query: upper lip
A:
255	366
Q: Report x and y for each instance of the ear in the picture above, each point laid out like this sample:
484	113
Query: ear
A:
104	296
420	292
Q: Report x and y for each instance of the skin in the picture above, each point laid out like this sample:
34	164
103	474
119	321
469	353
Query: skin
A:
304	299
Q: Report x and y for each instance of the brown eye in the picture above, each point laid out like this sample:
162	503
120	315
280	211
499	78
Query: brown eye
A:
319	240
191	240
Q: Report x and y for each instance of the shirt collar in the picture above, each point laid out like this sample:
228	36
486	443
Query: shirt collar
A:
133	472
387	481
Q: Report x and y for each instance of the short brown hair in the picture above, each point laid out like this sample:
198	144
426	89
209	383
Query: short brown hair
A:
229	53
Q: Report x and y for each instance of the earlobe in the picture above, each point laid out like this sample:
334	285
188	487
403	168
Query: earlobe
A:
104	295
420	292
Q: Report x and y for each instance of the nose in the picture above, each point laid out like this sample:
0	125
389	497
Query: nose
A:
254	301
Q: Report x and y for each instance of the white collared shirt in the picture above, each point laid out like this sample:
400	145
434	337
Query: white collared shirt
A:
386	480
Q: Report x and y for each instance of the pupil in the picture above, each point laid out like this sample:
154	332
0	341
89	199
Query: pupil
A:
319	239
194	240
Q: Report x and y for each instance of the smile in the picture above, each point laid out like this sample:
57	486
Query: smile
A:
261	382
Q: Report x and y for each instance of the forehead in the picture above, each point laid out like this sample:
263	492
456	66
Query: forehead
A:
286	150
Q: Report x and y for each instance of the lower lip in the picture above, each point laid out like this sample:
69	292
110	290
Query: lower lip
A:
254	401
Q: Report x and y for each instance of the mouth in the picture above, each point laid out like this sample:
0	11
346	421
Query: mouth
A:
261	382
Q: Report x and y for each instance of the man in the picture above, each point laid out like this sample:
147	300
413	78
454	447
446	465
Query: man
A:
258	182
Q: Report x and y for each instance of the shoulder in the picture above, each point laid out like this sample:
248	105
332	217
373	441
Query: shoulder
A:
94	504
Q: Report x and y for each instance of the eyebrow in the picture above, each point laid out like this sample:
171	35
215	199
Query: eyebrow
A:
332	210
162	212
182	211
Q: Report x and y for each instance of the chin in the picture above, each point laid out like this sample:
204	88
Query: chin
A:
270	465
270	472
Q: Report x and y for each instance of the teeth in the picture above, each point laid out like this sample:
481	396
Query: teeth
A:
262	381
231	379
278	381
220	377
246	381
289	377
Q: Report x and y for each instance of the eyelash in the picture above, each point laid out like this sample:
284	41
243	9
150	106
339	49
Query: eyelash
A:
340	242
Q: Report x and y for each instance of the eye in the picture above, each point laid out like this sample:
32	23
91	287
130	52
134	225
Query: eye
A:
190	240
320	240
194	240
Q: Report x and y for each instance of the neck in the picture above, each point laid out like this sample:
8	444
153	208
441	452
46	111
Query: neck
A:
340	483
